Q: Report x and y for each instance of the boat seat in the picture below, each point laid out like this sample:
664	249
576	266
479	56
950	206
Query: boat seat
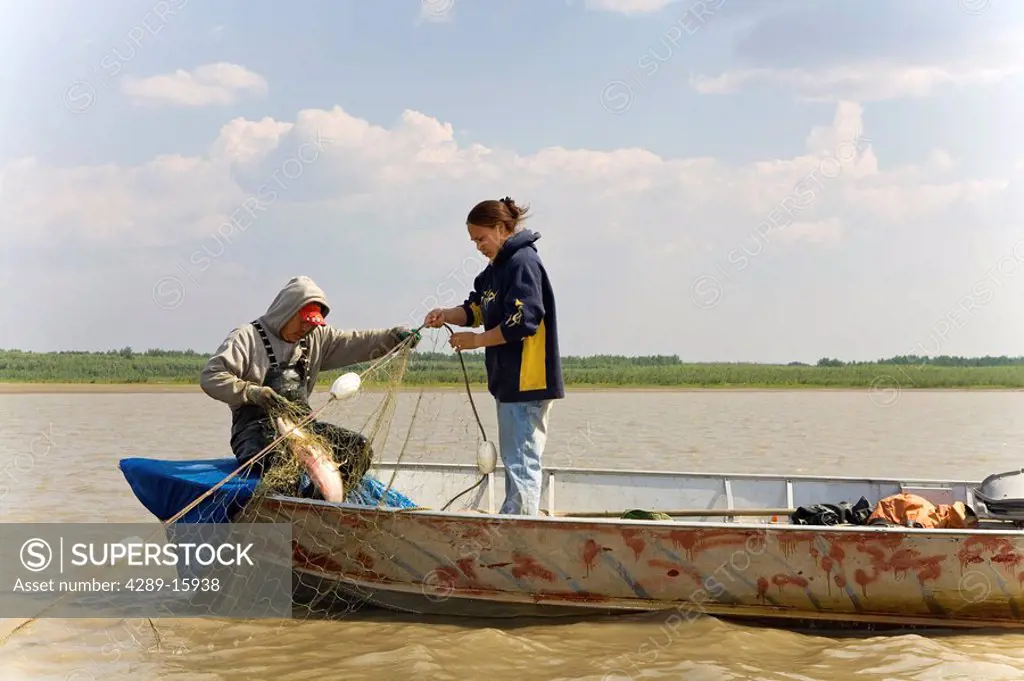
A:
937	494
166	487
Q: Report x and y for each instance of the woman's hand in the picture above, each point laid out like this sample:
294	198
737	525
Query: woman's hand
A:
465	340
403	332
434	319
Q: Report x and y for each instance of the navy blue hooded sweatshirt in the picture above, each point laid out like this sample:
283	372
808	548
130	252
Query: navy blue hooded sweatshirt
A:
514	292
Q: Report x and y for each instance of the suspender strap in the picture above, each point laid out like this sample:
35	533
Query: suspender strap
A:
303	353
303	347
266	344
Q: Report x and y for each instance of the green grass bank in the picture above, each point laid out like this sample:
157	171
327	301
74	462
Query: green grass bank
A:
173	367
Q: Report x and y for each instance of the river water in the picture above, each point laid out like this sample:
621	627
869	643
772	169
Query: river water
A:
58	461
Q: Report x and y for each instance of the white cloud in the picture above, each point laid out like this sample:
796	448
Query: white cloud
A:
379	210
865	82
364	167
219	84
828	232
245	140
878	78
157	202
895	203
941	160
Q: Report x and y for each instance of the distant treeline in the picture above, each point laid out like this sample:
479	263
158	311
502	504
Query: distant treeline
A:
428	368
937	361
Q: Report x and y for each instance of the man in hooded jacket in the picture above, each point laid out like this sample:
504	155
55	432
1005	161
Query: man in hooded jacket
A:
277	358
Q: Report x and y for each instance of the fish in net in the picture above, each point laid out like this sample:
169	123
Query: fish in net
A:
311	457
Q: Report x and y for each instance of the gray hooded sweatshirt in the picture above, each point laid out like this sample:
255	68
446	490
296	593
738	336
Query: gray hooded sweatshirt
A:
242	360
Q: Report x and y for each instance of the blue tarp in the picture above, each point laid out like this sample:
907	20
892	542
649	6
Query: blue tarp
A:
166	487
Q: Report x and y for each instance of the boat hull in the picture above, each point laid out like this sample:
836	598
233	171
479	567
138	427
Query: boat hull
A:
479	565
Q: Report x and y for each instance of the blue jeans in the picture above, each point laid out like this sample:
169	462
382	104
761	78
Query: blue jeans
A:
522	434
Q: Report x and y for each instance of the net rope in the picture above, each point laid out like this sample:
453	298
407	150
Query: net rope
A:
336	555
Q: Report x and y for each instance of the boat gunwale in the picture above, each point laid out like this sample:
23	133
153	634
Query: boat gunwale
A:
347	508
462	467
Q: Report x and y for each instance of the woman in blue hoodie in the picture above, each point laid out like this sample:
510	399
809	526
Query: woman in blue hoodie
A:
513	301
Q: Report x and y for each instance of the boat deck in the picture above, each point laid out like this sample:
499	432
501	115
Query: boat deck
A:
608	492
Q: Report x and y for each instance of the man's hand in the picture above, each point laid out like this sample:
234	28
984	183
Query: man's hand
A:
464	340
264	396
435	319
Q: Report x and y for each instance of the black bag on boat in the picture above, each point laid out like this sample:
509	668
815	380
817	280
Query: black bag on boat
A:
833	514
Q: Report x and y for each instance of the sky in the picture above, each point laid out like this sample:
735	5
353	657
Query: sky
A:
723	180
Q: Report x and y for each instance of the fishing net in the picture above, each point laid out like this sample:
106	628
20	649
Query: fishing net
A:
364	439
312	438
333	453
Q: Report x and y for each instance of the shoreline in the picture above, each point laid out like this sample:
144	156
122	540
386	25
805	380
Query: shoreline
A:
37	388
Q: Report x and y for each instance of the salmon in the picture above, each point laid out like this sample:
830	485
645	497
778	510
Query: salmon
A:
317	461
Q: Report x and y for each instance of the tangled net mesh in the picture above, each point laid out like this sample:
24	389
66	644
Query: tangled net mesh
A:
352	452
332	555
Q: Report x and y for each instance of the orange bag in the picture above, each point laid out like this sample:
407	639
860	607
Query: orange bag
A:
911	510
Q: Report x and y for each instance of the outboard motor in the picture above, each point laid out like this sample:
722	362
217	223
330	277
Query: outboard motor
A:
1001	496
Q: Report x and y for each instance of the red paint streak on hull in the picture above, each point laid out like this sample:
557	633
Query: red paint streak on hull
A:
590	551
1008	559
663	564
324	564
447	577
899	563
762	588
713	539
874	545
471	532
634	542
529	567
685	540
467	567
670	568
755	543
834	558
788	541
695	541
570	597
782	580
970	552
905	560
1001	551
307	559
863	580
464	572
